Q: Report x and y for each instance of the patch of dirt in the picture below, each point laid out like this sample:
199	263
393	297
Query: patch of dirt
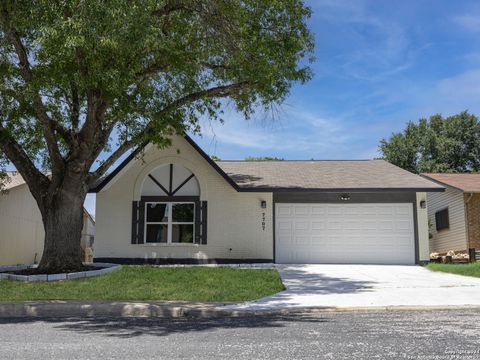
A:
35	271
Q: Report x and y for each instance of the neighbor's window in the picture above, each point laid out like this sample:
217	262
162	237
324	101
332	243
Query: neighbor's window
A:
169	223
441	219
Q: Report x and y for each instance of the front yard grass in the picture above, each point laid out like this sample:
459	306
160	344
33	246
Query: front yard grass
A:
152	283
472	269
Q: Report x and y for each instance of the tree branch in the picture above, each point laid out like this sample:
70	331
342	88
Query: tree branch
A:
155	68
36	180
75	106
102	169
26	72
169	8
216	92
150	70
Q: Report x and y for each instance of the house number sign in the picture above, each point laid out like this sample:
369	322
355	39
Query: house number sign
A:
263	221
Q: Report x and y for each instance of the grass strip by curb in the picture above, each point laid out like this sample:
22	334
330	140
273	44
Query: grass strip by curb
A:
472	269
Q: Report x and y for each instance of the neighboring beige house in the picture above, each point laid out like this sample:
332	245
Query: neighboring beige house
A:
21	228
177	205
455	214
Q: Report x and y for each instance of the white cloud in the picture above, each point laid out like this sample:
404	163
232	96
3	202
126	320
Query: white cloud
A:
447	96
293	134
469	22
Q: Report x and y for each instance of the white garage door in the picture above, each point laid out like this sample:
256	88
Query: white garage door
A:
344	233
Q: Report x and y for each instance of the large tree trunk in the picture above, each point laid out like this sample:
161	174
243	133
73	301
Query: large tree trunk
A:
63	222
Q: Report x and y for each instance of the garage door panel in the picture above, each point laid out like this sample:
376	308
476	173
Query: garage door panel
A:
302	210
386	225
302	225
403	225
284	240
318	225
385	210
283	210
302	240
318	210
345	233
334	210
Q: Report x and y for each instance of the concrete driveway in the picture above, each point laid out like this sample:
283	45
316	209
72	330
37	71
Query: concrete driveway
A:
365	286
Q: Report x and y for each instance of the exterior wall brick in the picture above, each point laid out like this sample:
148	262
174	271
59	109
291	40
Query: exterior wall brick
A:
473	219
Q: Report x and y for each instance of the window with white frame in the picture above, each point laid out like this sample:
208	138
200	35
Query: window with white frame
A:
169	222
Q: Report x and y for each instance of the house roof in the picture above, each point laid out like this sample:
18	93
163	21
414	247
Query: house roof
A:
14	179
324	175
304	175
466	182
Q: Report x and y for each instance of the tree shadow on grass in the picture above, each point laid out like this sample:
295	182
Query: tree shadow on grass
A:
135	327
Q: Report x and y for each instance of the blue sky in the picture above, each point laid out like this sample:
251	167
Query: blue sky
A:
378	65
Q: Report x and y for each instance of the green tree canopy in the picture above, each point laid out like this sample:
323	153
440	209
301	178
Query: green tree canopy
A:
87	80
263	158
436	144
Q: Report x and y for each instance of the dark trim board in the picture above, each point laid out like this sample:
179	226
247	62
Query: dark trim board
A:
182	261
333	198
170	198
337	190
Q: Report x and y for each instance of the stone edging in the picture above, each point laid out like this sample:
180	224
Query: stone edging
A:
105	269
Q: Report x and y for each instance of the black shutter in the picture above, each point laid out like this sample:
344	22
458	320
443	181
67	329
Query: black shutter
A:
197	219
203	239
141	221
134	222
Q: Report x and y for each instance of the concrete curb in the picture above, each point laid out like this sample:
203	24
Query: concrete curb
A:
89	309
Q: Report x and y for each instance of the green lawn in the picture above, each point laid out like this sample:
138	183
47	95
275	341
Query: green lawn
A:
150	283
472	269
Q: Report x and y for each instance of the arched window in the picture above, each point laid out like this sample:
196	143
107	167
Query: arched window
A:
170	211
171	180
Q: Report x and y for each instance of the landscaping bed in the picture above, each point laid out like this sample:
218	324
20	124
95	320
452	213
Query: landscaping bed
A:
471	269
144	283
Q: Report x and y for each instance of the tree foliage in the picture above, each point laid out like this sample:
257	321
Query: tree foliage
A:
263	158
87	80
436	144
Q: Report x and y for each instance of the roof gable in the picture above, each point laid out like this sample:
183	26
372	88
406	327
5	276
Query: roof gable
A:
133	157
466	182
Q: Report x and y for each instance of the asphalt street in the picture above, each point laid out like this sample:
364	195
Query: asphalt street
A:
383	335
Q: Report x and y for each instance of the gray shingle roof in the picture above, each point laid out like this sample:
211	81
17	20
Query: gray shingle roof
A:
324	175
